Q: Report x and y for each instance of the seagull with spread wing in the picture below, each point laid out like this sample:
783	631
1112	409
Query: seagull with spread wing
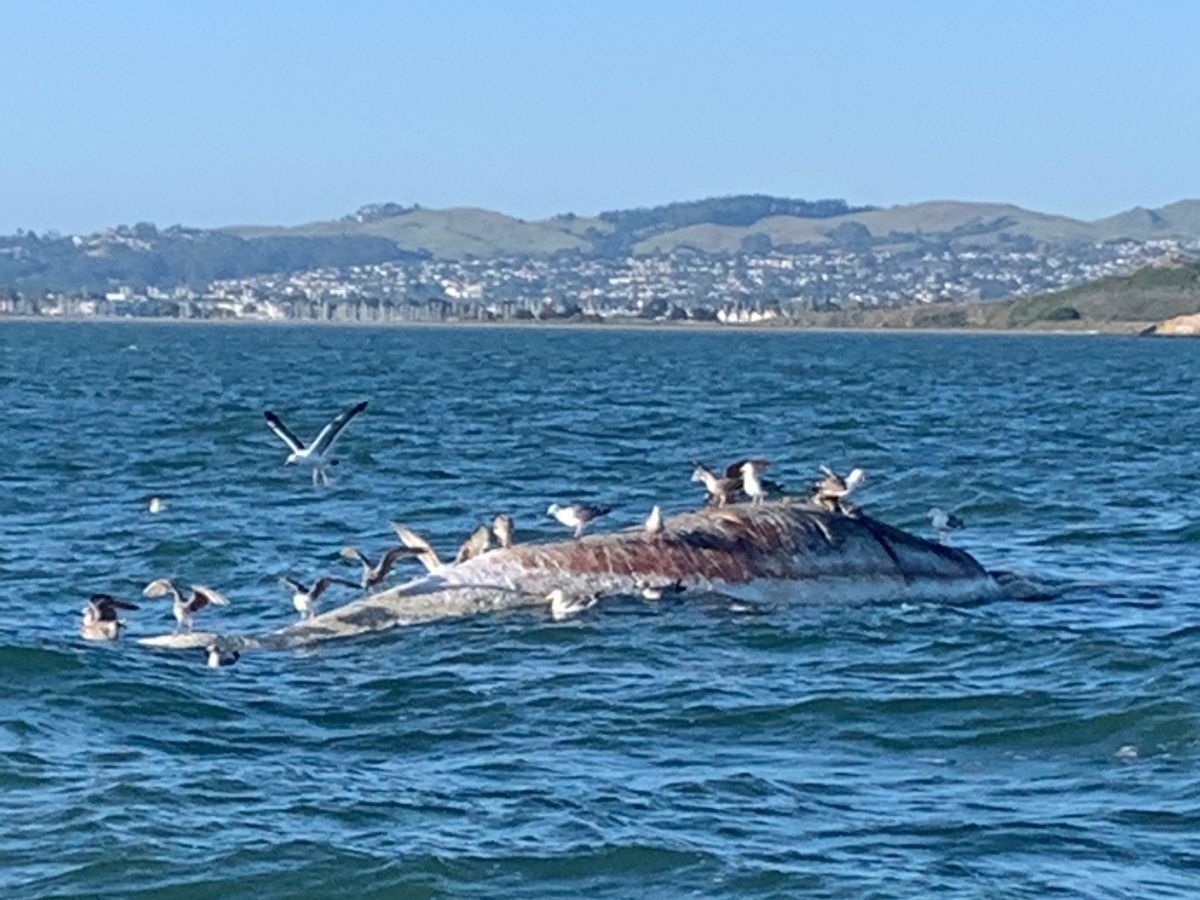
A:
185	607
316	454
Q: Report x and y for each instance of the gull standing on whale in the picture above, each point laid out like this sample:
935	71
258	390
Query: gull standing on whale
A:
185	609
100	622
830	492
305	598
479	543
943	523
502	528
577	515
751	484
316	453
720	490
654	521
373	573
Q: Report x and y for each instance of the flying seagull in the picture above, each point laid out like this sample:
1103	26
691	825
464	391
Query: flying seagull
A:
577	515
373	573
305	598
316	453
502	528
477	544
185	609
100	622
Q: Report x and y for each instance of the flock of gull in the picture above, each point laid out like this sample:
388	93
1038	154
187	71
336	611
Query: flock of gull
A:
742	480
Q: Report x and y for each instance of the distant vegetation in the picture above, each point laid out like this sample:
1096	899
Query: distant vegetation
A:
142	255
1148	295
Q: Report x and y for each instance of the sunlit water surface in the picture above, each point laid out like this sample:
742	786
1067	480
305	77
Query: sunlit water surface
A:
1010	749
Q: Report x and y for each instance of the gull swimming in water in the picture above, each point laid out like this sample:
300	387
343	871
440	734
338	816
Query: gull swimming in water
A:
943	523
185	609
720	490
100	622
157	505
752	485
577	515
654	521
563	606
217	656
316	453
305	598
502	528
373	573
656	591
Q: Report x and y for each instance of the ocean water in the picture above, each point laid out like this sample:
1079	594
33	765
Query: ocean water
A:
1045	748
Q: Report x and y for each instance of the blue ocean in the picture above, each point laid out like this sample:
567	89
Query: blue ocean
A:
1028	748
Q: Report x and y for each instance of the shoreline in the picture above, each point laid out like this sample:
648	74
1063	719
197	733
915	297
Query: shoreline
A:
1084	329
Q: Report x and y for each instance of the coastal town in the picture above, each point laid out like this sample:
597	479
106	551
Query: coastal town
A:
741	288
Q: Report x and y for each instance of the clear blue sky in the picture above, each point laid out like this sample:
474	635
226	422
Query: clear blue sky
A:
217	113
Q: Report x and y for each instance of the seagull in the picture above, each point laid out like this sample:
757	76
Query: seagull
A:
157	505
943	523
423	549
654	521
502	528
751	484
100	622
305	598
373	573
477	544
830	492
185	609
657	591
577	515
563	606
720	490
314	454
217	656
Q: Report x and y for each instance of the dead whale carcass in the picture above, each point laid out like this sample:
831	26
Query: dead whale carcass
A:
779	551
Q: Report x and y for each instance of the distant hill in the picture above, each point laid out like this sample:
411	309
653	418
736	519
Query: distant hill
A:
144	255
1150	294
739	223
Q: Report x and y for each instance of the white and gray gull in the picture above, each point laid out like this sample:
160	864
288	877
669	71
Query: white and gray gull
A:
305	598
577	515
185	608
943	523
831	491
316	454
752	484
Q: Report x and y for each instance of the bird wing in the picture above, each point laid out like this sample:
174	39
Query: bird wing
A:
283	432
734	470
202	595
330	432
323	583
414	541
159	587
393	554
355	554
588	512
292	584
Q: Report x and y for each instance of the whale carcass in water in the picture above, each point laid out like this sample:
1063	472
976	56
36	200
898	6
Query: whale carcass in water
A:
786	550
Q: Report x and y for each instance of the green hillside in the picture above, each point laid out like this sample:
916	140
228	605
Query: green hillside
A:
1150	294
